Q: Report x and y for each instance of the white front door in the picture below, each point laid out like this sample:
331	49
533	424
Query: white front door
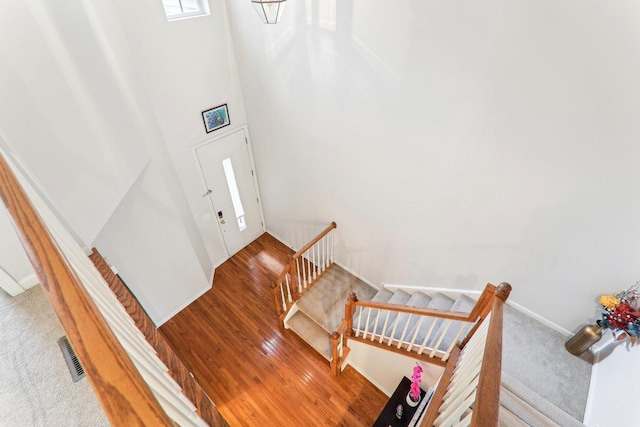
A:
228	174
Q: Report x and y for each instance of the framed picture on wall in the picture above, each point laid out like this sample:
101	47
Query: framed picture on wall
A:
216	118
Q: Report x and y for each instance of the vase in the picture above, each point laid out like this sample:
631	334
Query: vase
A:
411	402
583	339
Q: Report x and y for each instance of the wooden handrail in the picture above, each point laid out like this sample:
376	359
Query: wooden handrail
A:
421	311
125	397
488	392
486	406
315	240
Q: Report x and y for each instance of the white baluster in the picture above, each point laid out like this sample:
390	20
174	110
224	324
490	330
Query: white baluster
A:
304	272
444	332
314	250
384	327
375	326
453	343
359	320
284	302
415	334
333	246
393	332
298	273
404	331
366	325
424	342
286	281
454	414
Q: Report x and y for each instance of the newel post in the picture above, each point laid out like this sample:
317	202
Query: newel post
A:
349	310
335	354
275	287
502	291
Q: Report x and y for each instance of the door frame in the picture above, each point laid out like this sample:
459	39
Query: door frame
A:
245	129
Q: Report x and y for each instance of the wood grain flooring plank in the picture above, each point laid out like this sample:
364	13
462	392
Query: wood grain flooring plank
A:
257	374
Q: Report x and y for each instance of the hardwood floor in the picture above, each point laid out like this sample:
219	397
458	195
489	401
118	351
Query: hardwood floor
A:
255	373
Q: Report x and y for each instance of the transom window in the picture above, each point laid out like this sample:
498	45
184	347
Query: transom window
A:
180	9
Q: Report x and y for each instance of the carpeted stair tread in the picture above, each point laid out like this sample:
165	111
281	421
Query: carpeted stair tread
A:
399	297
312	333
534	355
419	299
463	304
506	418
532	408
324	302
438	301
383	295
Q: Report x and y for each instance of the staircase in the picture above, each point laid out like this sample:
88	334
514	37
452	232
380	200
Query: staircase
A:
535	363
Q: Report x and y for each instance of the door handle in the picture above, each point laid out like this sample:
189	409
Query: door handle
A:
207	193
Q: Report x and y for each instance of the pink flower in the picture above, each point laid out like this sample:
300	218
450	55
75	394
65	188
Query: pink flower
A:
415	382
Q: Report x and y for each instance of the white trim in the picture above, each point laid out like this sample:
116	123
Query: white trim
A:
9	284
29	281
353	273
539	318
281	240
183	306
198	294
593	386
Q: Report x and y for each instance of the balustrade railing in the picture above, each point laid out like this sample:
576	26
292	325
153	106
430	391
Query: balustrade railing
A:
132	384
467	345
304	269
468	393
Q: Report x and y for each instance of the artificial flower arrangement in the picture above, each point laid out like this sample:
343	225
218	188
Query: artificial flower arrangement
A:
415	383
621	314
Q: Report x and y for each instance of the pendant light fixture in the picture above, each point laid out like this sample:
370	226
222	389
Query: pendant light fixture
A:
270	11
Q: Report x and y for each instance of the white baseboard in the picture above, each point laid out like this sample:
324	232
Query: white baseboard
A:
9	284
196	296
183	306
280	239
539	318
30	281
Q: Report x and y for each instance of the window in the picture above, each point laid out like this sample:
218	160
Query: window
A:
235	194
179	9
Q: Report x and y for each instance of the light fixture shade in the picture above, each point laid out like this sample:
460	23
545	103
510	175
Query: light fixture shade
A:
270	11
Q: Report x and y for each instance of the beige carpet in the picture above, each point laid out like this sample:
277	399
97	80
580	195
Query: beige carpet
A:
36	388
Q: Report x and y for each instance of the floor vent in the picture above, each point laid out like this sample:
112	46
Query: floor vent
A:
77	372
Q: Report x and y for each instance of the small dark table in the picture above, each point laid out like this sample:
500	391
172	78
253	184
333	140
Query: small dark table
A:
388	415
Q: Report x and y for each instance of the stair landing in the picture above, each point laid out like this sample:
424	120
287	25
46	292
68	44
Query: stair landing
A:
533	353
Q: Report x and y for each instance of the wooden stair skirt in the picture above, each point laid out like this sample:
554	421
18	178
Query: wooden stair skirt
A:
190	387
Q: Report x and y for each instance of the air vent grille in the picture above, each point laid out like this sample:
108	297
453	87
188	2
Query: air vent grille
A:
77	372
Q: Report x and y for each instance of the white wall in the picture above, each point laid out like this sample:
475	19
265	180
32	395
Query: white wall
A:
102	102
128	241
186	67
368	361
65	107
455	143
614	384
